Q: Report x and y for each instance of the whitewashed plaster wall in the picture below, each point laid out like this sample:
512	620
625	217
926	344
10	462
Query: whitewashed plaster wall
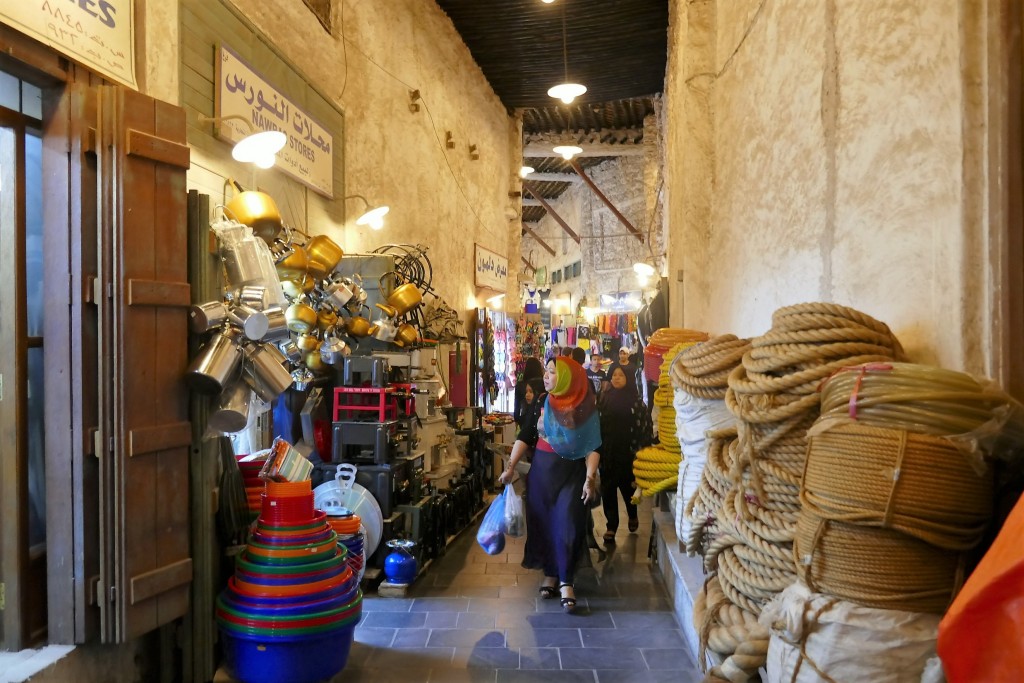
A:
817	152
439	197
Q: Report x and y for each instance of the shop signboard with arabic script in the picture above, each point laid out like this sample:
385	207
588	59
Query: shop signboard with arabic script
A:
491	270
97	33
308	154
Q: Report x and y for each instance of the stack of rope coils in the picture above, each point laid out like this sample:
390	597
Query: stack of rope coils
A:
773	393
656	469
891	507
704	506
700	378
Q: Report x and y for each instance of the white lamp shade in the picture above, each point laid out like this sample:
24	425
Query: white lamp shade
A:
374	217
259	148
525	171
567	151
567	92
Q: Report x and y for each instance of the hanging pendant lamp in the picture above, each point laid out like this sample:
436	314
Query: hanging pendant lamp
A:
566	91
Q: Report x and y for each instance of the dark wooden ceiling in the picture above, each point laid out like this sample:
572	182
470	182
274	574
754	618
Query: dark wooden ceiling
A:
617	48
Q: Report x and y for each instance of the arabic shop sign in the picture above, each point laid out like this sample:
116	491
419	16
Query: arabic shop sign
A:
99	34
491	269
307	156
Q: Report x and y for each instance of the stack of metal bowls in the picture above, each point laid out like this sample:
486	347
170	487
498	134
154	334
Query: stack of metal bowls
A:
289	613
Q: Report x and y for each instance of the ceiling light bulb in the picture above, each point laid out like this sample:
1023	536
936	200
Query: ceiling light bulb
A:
547	2
525	171
567	151
567	92
259	148
643	269
374	217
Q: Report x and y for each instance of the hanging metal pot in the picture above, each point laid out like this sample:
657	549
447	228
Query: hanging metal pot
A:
302	378
277	325
358	326
242	263
232	412
291	351
406	335
254	296
258	211
217	364
337	294
333	350
205	317
293	266
324	255
301	317
403	298
253	323
268	375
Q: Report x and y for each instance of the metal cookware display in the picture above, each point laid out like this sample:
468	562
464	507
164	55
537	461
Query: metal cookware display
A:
208	316
277	325
358	326
406	335
324	255
268	375
403	298
254	296
301	317
232	412
253	323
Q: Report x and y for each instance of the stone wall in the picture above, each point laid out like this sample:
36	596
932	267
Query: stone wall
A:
378	52
817	153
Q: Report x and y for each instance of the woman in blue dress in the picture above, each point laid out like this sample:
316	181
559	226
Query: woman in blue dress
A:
562	478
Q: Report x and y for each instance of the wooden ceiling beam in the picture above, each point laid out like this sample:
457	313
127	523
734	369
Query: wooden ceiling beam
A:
618	214
529	231
554	214
553	177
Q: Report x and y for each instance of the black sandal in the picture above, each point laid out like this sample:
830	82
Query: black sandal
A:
568	603
548	592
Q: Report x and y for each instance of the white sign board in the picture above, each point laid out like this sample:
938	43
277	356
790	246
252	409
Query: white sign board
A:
491	270
308	154
99	34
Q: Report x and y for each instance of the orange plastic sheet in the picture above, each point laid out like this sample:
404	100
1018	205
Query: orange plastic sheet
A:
981	638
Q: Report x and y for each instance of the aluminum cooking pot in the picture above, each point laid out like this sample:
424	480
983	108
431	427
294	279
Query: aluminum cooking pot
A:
385	330
291	351
254	296
277	325
324	255
232	413
254	324
242	263
258	211
217	364
269	377
333	350
205	317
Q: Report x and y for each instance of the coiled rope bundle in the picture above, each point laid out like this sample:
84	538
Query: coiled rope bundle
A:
773	393
704	506
731	633
700	378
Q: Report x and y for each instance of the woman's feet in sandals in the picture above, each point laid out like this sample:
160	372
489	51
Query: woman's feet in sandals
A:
568	597
609	537
549	588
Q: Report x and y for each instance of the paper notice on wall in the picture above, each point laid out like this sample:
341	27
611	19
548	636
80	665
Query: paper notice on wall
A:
309	153
99	34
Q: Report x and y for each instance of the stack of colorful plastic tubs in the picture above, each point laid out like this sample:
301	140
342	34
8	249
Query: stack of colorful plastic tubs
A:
289	613
351	535
250	468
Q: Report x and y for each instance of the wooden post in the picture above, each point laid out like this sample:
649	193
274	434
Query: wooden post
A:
554	214
590	183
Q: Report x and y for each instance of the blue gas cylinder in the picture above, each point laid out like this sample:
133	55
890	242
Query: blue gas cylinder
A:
400	565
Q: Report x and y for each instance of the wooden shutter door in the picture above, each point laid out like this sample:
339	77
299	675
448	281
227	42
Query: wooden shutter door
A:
144	294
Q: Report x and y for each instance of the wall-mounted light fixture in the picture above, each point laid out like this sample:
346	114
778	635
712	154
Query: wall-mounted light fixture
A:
259	148
373	216
567	151
644	272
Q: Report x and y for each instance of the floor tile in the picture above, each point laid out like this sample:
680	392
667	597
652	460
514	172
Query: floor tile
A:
627	638
442	619
618	676
602	658
443	637
582	619
440	604
645	620
411	638
463	675
539	658
486	658
374	604
380	637
476	620
674	658
535	676
543	637
395	620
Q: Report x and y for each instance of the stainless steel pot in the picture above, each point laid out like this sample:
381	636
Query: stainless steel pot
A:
277	325
268	375
242	263
254	296
333	350
254	324
217	364
232	413
205	317
291	351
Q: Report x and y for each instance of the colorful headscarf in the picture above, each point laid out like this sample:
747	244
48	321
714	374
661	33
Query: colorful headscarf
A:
571	424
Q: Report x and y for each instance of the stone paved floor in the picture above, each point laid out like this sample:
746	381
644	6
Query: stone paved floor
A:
476	617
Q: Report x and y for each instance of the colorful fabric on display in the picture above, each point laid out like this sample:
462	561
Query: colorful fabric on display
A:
571	424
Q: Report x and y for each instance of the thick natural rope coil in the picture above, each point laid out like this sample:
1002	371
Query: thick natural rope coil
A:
921	399
919	485
730	632
703	370
703	507
876	567
653	469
